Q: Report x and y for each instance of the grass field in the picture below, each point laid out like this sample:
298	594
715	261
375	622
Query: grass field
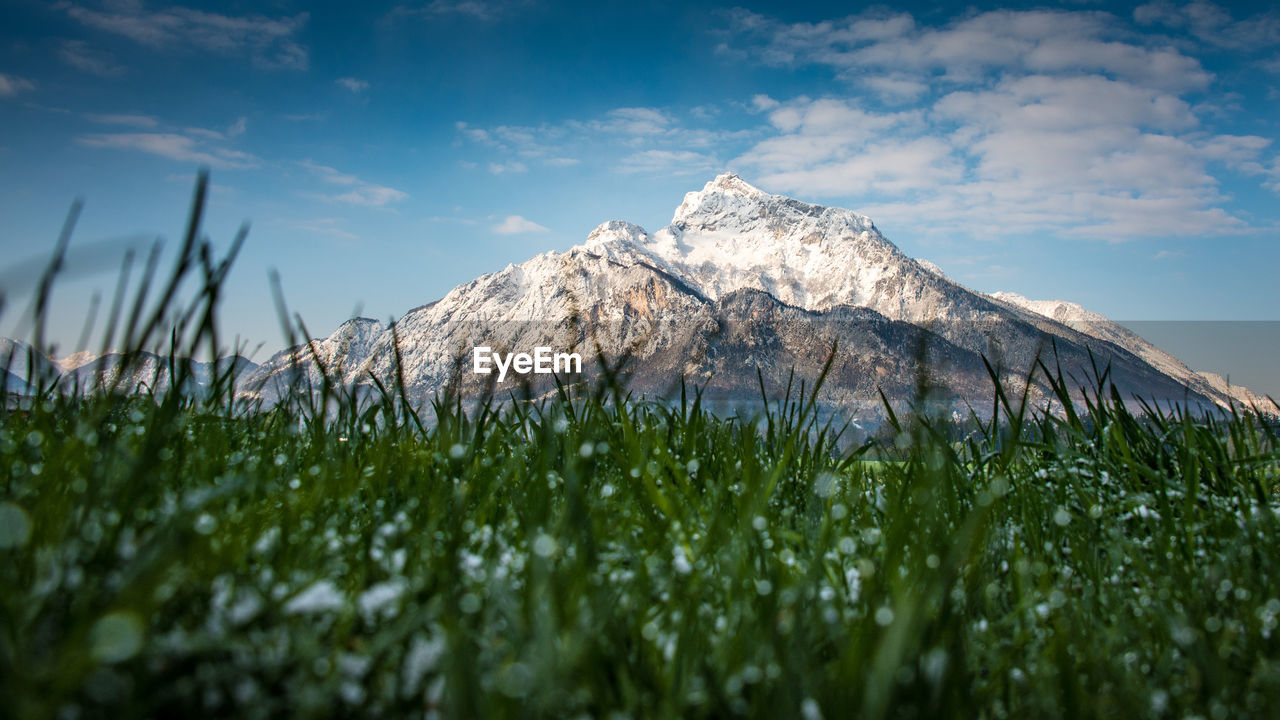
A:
592	556
597	556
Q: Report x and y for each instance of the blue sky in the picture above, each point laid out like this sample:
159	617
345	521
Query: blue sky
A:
1122	158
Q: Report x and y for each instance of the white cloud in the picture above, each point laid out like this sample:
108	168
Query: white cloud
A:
1023	122
11	85
238	127
1213	25
473	134
763	103
633	121
673	162
507	168
327	226
1027	155
895	88
359	192
1271	172
205	133
351	84
144	122
370	195
816	130
474	9
174	146
79	55
269	42
515	225
329	174
964	50
631	139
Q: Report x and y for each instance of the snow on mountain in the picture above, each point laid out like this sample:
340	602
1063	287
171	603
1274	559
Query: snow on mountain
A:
1240	395
340	355
1100	326
733	236
741	280
931	267
78	359
24	368
87	371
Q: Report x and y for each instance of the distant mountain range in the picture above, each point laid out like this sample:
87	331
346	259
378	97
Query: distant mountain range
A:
743	282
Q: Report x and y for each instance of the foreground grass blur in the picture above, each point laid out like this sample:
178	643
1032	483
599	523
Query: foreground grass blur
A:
594	555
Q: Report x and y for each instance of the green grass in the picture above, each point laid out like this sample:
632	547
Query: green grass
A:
593	555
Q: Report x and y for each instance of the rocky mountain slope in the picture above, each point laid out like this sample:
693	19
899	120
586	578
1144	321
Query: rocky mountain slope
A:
1100	326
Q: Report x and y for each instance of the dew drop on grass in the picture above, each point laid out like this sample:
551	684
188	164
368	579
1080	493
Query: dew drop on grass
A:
854	583
457	450
1061	517
1159	701
680	562
824	486
116	637
206	524
587	450
15	526
884	616
544	546
320	596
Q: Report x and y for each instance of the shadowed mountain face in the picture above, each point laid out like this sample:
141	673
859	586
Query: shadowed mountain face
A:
741	286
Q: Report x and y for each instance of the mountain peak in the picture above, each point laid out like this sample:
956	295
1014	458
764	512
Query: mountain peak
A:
732	184
726	193
731	236
615	230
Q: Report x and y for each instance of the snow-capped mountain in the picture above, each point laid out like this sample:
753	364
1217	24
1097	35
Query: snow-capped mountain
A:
145	372
1100	326
24	369
742	280
86	371
340	355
